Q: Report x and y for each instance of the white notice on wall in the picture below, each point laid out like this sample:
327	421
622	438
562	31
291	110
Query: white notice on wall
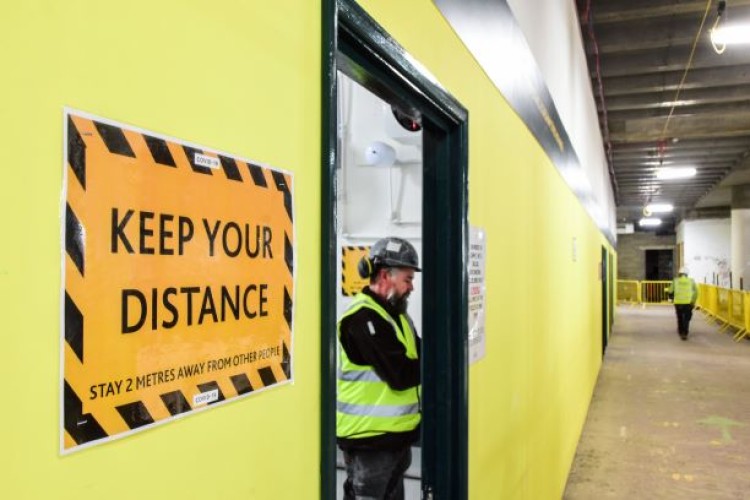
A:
477	293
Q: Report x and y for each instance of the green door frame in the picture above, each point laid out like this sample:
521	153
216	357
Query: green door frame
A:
355	44
611	294
604	270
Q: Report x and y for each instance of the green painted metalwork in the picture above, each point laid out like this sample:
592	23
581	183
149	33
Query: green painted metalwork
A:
356	45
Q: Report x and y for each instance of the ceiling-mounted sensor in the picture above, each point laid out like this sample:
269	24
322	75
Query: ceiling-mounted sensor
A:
403	125
411	121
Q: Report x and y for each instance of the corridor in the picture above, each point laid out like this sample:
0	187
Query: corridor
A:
669	418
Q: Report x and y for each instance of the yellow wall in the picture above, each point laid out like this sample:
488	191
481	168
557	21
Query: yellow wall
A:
242	77
529	396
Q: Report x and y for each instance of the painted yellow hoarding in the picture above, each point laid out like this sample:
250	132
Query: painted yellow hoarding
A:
178	272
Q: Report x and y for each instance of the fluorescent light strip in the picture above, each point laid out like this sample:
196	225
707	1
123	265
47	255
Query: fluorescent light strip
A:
675	173
649	222
657	208
731	35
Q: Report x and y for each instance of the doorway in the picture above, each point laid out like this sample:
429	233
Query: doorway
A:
659	264
358	48
378	194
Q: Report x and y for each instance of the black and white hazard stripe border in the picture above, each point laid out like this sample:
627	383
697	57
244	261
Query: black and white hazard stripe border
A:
344	250
68	112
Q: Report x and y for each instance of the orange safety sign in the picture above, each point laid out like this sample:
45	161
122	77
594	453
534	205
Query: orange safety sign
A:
178	273
351	282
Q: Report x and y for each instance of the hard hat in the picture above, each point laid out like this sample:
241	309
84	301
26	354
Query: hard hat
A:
389	252
683	270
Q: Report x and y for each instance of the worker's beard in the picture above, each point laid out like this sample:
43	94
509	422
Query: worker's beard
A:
398	303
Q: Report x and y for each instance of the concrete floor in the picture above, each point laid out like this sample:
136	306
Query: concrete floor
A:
669	419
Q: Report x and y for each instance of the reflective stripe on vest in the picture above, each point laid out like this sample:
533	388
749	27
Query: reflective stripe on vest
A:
377	411
359	375
365	405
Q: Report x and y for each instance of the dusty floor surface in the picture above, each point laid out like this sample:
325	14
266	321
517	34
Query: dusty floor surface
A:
669	418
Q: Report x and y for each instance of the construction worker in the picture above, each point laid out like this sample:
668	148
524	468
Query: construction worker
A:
378	379
685	293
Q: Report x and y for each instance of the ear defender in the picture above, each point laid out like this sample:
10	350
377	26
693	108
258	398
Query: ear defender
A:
364	267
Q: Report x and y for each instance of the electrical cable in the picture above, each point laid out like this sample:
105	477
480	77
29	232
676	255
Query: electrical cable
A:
687	69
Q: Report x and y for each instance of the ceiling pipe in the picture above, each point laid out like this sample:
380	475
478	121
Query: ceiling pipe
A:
587	19
685	73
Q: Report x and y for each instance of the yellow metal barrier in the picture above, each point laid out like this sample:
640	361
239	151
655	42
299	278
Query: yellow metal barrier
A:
629	291
730	308
722	311
746	326
736	317
708	299
654	292
714	302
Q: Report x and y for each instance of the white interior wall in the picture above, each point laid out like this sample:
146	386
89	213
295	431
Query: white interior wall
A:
377	201
707	247
740	224
552	31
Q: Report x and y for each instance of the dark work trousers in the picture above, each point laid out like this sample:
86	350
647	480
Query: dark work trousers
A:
684	314
376	474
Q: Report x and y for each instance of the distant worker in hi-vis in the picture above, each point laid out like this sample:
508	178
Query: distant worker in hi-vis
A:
378	379
685	293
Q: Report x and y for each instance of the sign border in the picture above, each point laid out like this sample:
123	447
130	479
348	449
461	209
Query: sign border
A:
67	112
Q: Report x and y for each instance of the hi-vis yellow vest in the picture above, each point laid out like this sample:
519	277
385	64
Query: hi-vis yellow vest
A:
365	405
684	290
